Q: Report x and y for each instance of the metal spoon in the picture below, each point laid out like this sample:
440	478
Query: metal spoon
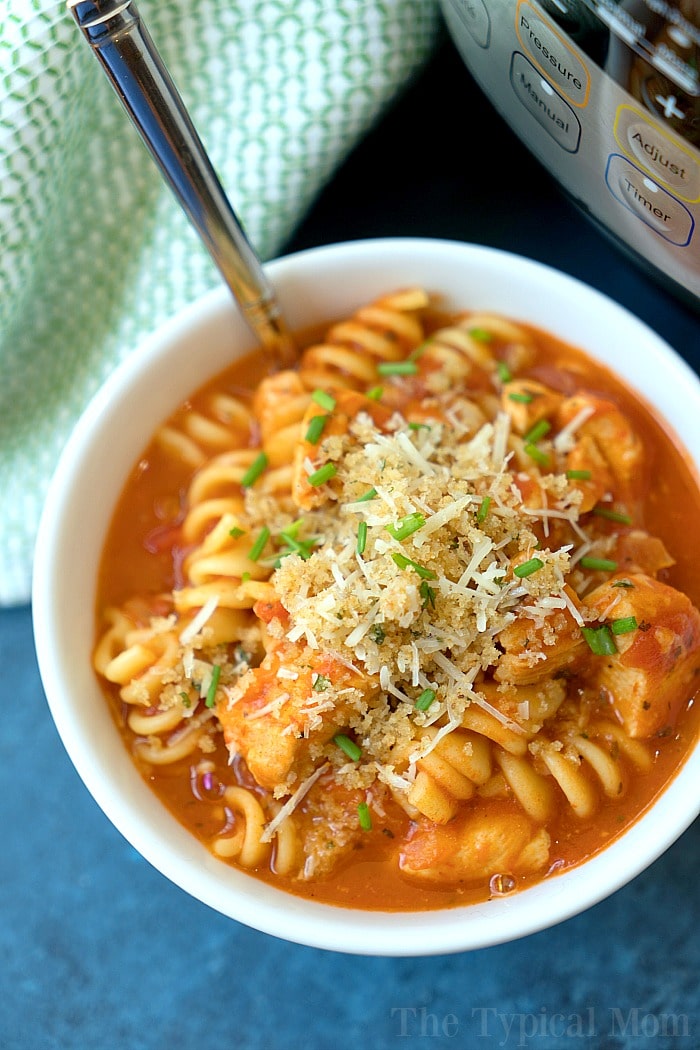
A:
136	71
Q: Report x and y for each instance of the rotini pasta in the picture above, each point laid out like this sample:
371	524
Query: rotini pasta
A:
410	603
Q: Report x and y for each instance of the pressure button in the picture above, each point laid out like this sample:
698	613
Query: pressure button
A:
553	56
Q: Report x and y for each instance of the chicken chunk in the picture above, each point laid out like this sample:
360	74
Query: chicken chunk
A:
527	402
657	664
533	652
476	845
296	698
604	444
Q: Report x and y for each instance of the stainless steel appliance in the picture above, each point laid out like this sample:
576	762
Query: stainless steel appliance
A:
606	94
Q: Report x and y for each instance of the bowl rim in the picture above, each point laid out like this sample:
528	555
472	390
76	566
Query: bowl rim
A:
184	860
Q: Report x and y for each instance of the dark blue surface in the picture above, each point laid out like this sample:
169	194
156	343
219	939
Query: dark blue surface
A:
97	950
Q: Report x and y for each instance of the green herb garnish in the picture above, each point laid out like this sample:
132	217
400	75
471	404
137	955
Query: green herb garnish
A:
348	746
612	515
624	625
259	545
579	475
254	471
483	510
527	568
364	816
315	429
405	563
600	640
425	700
407	526
361	537
324	400
213	685
598	564
397	368
322	475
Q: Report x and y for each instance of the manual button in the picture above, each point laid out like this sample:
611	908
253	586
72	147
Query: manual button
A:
540	99
659	153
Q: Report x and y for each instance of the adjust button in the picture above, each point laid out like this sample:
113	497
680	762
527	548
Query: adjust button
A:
658	152
539	97
648	201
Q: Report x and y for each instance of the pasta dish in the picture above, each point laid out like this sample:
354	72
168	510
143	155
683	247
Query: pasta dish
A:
413	623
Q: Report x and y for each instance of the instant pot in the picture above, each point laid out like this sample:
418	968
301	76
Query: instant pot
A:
606	94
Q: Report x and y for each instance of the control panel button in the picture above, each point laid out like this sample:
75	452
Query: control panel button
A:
547	107
552	54
476	19
661	154
648	201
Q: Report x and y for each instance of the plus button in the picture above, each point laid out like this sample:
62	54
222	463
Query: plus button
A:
668	105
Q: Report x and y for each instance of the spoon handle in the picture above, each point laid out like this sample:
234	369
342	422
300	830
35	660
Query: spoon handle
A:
121	42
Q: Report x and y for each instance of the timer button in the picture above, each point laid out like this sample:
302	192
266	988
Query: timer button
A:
651	204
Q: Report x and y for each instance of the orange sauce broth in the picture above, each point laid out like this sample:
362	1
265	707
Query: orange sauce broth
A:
139	558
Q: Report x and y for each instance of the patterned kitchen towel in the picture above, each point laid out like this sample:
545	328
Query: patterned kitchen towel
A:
94	251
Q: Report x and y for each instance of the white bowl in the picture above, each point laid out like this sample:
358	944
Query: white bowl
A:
318	285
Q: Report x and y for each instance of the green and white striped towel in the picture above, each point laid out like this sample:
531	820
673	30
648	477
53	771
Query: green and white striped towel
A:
94	252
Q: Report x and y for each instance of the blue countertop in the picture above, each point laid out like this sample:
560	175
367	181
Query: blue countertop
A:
99	950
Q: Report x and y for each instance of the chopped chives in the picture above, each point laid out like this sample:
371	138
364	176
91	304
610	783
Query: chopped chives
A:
527	568
213	685
397	368
321	683
600	640
523	399
483	510
598	564
405	563
537	431
324	400
482	335
624	625
361	537
259	545
322	475
364	816
427	594
419	426
236	532
315	429
504	372
579	475
425	700
254	471
407	526
348	746
375	393
304	548
623	583
612	515
293	528
418	351
369	494
245	577
537	454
